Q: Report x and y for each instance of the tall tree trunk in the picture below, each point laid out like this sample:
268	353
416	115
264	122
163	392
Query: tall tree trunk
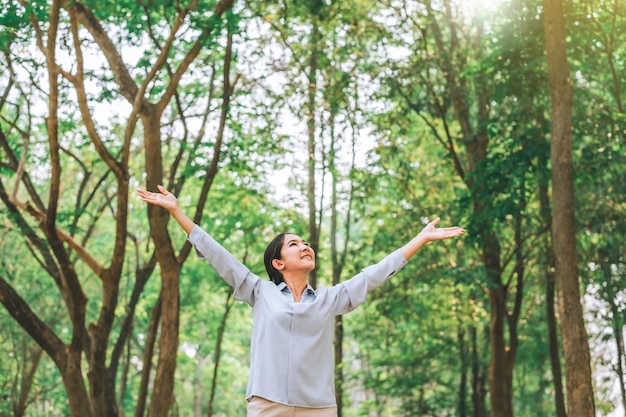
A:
339	364
163	389
311	132
478	377
338	259
218	348
500	371
338	255
619	345
462	397
142	395
617	324
553	343
580	397
553	336
124	378
198	387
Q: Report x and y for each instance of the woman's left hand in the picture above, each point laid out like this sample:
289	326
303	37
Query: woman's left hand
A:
431	232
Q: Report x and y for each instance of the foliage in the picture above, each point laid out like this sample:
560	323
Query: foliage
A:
390	142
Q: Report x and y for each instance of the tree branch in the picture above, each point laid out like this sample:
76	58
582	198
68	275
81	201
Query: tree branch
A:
220	8
128	88
31	323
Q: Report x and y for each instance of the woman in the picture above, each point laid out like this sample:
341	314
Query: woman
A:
291	351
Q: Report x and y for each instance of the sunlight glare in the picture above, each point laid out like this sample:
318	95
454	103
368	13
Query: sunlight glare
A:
474	7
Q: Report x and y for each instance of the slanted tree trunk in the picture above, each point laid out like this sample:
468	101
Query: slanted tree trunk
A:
580	397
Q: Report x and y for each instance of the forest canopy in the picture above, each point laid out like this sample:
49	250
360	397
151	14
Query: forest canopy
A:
352	124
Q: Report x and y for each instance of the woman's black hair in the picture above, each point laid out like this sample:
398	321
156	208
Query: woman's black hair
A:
273	252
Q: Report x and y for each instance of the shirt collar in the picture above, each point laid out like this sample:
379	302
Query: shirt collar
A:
284	288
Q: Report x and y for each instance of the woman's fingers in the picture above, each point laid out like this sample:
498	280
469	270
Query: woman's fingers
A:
162	190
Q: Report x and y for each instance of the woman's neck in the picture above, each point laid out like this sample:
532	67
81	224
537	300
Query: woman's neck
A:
297	285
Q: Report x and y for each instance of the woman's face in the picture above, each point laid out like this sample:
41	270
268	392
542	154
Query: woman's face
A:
296	255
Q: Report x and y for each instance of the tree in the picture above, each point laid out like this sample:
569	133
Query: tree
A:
65	28
598	115
580	397
452	84
343	121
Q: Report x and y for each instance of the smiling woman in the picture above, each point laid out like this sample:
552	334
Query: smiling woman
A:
293	323
282	246
290	259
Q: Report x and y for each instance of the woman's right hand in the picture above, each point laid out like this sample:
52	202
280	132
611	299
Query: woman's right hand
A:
163	199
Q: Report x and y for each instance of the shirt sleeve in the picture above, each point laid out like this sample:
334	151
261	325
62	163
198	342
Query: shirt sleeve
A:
236	274
352	293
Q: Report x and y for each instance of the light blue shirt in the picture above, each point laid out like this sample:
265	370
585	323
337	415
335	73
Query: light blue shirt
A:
291	350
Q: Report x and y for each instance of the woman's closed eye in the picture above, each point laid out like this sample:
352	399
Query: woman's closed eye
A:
296	243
